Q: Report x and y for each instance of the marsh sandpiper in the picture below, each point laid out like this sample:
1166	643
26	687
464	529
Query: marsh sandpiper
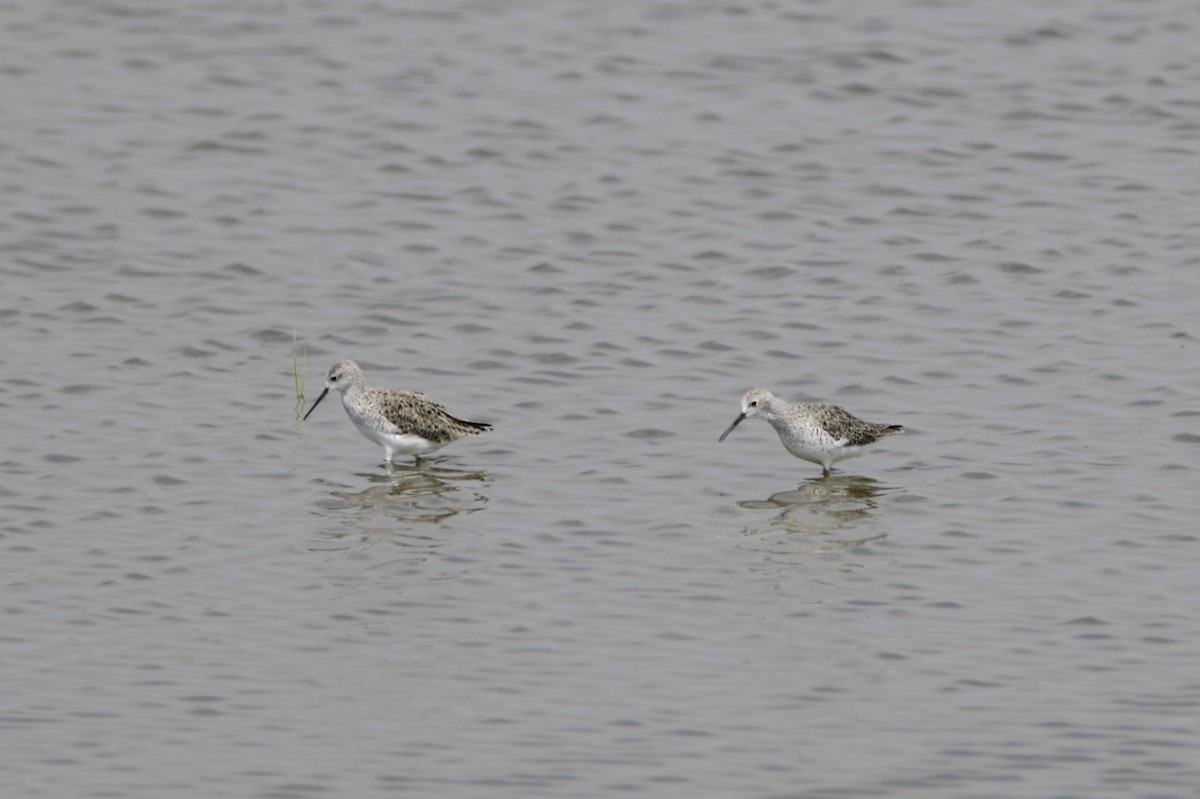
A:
822	434
402	422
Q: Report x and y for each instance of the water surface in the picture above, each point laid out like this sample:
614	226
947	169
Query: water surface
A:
595	227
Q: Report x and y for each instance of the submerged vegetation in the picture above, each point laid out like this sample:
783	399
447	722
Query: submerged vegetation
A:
299	370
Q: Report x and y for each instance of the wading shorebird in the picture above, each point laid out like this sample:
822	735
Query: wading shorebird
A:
402	422
823	434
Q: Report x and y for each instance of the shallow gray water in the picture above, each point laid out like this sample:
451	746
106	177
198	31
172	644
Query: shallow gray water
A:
595	225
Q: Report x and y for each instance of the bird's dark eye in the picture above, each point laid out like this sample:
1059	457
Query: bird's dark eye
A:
333	378
754	404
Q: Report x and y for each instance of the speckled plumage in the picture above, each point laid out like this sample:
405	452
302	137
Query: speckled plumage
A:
822	434
402	422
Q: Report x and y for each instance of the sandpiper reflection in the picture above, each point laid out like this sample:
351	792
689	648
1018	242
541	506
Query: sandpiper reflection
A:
416	494
838	508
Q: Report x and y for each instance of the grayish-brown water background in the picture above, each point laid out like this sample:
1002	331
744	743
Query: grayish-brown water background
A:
595	225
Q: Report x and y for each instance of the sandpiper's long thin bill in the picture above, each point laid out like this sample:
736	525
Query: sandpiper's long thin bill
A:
313	407
729	429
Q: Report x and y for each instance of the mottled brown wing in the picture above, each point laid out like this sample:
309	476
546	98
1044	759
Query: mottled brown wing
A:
413	412
840	424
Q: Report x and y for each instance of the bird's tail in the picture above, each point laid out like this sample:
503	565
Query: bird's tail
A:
478	427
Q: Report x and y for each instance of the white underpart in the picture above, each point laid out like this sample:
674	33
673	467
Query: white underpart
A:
393	440
812	448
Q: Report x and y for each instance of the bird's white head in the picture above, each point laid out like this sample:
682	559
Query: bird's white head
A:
342	376
756	402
